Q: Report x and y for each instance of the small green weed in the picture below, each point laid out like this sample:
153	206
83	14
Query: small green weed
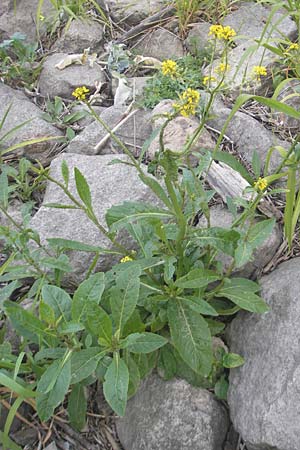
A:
18	61
188	74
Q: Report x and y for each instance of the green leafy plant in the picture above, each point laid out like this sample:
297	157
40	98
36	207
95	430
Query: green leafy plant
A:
18	61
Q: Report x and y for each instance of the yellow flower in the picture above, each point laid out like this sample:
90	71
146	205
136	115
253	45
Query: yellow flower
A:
41	17
260	71
169	68
294	46
260	184
80	93
220	32
188	102
222	67
126	259
207	80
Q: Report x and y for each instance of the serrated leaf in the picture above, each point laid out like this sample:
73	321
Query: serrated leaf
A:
231	360
98	322
199	306
77	406
124	296
191	336
115	386
84	363
58	300
197	278
167	365
221	239
83	188
144	342
244	299
48	401
89	291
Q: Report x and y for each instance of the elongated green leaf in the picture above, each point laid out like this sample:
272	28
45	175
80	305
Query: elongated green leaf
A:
197	278
83	188
232	162
124	296
27	143
26	323
77	406
58	300
65	173
157	189
191	336
99	323
259	232
221	239
84	363
89	291
60	263
198	305
115	386
144	342
3	189
6	291
14	386
120	215
47	402
134	374
69	244
166	364
244	299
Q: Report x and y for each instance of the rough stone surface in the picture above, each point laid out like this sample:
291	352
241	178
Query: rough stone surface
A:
109	185
290	95
79	36
133	11
249	21
247	133
133	133
264	393
161	44
22	109
173	415
54	82
129	89
177	132
221	217
22	18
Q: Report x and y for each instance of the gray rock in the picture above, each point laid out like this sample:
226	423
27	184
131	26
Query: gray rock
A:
247	133
81	34
198	39
221	217
133	133
264	394
22	18
129	89
172	415
161	44
89	118
110	185
61	83
177	132
290	95
133	11
249	21
22	110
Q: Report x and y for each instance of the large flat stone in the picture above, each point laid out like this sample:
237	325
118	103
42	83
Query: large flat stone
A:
173	415
110	185
22	110
133	133
61	83
264	393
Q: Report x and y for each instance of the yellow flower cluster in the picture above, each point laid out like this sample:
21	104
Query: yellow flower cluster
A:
207	80
261	184
169	68
293	46
220	32
80	93
126	259
188	103
222	67
260	71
